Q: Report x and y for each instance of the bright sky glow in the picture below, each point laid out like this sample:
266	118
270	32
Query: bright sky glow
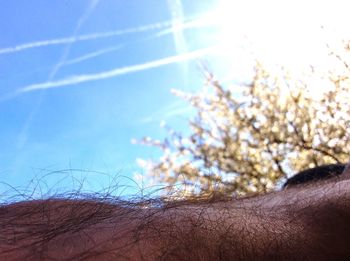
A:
80	79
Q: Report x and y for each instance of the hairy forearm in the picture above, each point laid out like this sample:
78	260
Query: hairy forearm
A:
234	230
307	223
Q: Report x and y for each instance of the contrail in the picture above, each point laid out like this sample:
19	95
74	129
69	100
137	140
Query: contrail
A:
92	55
68	47
86	15
22	137
198	22
118	71
177	14
85	37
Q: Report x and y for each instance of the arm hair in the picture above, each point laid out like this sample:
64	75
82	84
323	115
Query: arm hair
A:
304	223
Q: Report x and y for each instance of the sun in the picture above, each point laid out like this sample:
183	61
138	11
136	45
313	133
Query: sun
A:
293	34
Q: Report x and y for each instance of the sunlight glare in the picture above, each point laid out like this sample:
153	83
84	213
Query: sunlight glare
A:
288	32
294	34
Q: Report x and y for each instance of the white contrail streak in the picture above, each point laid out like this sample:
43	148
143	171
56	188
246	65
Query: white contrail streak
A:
22	137
196	23
177	14
86	14
55	69
85	37
118	71
92	55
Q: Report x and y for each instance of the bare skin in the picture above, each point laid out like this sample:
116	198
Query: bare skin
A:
308	222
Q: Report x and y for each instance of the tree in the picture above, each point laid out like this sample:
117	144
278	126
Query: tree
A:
249	143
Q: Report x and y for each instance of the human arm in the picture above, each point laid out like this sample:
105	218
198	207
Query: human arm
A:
304	223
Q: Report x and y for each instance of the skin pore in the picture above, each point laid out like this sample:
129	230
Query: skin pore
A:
304	222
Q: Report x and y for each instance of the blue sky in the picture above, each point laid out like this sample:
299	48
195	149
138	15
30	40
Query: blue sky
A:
80	79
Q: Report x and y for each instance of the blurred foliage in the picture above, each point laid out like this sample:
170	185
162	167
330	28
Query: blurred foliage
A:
250	142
